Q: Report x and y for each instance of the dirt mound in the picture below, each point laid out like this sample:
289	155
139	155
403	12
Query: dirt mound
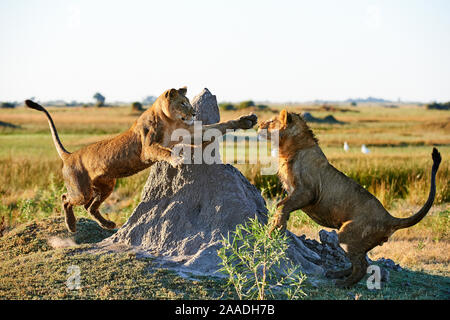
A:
328	119
185	212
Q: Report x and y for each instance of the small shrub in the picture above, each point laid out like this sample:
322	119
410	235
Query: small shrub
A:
257	265
262	107
245	104
438	106
7	105
136	107
227	106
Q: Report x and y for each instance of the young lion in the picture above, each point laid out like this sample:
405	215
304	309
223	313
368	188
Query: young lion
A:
332	199
91	172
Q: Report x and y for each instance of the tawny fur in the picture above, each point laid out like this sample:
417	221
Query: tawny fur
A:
90	173
332	199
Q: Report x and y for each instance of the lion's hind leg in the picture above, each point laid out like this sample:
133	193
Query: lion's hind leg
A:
68	201
356	247
102	189
69	217
359	269
79	192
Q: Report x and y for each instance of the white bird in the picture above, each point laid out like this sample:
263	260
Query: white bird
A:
346	147
364	149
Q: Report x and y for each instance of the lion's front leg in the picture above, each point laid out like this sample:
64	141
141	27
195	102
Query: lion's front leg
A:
155	152
244	122
152	151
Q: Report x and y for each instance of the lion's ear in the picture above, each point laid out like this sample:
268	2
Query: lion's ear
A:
172	93
182	91
285	118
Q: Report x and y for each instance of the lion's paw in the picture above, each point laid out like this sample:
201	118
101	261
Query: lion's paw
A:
247	122
177	161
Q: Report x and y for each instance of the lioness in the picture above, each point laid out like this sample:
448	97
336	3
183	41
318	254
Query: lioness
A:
330	198
91	172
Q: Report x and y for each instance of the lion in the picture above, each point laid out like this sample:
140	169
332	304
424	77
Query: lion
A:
90	173
332	199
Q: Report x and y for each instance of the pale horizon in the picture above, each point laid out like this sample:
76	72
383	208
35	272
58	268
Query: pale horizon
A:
277	51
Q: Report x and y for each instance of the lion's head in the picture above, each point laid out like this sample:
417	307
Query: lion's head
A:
287	125
177	107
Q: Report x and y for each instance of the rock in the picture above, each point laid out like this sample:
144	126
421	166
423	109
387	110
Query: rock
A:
329	238
207	111
185	212
205	106
388	263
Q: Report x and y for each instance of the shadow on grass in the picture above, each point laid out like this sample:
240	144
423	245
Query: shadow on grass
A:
88	231
402	285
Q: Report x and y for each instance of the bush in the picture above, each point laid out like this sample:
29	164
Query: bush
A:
262	107
438	106
257	265
137	107
227	106
245	104
7	105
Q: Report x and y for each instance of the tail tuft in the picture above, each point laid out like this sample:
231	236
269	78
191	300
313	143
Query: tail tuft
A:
34	105
436	159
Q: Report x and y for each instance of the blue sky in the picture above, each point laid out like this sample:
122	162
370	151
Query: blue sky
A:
261	50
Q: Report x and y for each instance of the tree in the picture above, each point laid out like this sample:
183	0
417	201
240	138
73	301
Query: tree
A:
100	99
7	105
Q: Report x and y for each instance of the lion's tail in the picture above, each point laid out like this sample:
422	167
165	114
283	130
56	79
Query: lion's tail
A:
63	153
408	222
